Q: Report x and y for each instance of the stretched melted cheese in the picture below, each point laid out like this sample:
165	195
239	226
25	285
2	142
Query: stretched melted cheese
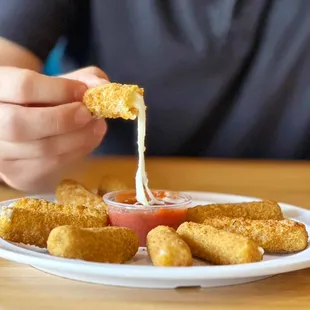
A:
141	177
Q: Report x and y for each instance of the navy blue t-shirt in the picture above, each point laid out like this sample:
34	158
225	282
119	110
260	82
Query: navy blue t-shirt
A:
222	78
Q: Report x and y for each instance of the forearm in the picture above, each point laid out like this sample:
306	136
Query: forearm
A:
15	55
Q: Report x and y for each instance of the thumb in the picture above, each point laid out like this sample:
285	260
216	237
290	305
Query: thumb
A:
90	76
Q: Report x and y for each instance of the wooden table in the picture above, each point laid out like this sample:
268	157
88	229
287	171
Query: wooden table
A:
282	181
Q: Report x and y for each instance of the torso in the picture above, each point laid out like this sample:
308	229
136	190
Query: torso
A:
220	80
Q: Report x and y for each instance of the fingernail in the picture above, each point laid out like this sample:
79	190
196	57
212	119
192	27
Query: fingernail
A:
104	81
95	81
82	116
100	127
79	93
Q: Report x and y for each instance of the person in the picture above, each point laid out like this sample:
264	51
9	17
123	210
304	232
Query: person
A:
222	78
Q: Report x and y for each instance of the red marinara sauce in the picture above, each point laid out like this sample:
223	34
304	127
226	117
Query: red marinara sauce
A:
124	211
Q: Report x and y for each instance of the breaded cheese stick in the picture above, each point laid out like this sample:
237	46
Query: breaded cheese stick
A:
110	184
106	245
256	210
29	221
272	235
166	248
219	246
73	193
113	100
42	205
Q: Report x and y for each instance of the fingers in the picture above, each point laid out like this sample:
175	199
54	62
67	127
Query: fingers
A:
92	70
38	142
45	172
20	123
39	174
90	76
21	86
90	135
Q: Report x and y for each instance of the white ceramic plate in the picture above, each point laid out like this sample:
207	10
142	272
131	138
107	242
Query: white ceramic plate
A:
140	273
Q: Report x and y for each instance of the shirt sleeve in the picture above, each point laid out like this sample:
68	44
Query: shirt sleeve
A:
36	24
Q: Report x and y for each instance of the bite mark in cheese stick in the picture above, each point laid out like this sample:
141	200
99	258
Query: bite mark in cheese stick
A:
29	221
113	100
106	245
219	246
272	235
256	210
166	248
71	192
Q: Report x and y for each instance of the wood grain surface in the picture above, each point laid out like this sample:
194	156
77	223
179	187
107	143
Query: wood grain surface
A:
282	181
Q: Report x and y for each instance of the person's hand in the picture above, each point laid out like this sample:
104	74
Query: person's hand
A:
44	127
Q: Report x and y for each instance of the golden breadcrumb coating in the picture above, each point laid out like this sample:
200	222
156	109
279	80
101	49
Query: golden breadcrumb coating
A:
166	248
272	235
71	192
256	210
113	100
29	220
106	245
110	184
219	246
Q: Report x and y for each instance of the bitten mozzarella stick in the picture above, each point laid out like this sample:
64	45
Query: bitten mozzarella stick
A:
29	221
256	210
218	246
113	100
272	235
110	184
106	245
166	248
73	193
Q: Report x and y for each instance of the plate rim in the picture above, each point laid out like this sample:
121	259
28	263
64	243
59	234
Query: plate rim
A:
293	262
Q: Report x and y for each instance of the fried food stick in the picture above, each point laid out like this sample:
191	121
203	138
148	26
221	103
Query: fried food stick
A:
166	248
106	245
29	221
256	210
113	100
218	246
71	192
110	184
272	235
